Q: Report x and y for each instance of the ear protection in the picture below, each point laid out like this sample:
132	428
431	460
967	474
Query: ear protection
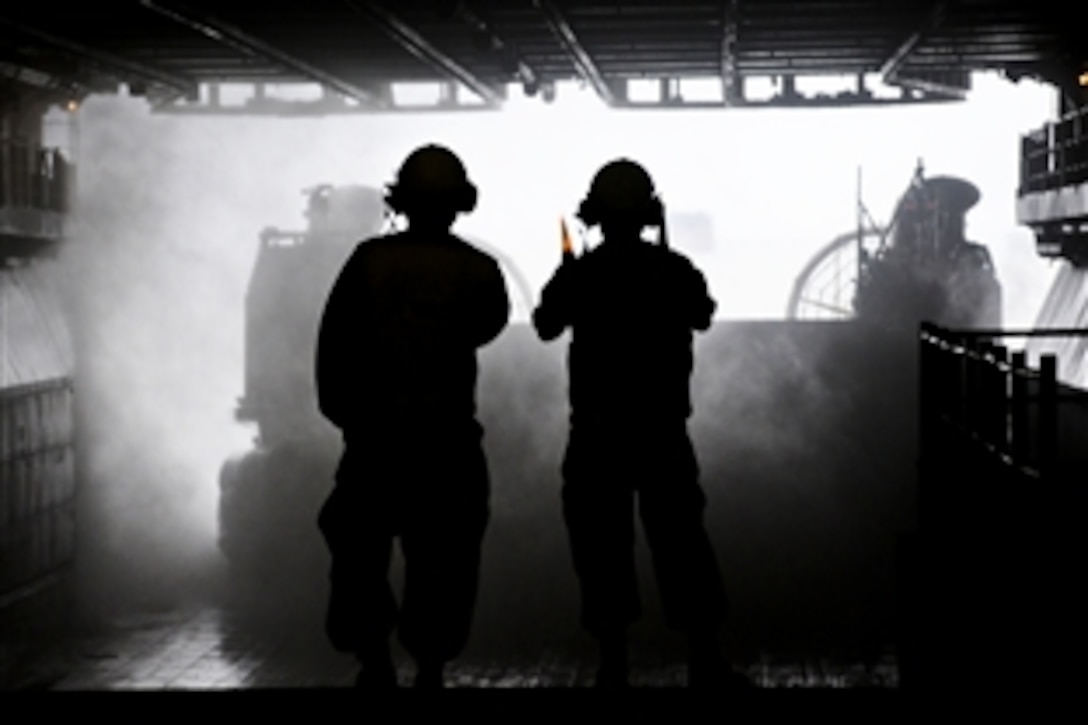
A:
431	176
622	188
593	211
402	198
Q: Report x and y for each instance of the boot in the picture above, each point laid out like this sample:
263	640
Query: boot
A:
430	676
709	667
612	669
376	671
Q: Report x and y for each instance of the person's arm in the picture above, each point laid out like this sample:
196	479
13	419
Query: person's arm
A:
332	364
554	313
495	307
701	306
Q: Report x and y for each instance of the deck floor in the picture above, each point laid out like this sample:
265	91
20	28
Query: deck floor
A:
212	647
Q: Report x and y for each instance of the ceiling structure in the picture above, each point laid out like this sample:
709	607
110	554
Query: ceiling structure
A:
180	55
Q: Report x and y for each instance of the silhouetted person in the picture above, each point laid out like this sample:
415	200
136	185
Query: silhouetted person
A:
396	372
632	307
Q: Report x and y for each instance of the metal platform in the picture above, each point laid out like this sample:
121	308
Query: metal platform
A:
211	647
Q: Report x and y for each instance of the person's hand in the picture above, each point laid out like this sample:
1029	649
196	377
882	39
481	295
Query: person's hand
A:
562	282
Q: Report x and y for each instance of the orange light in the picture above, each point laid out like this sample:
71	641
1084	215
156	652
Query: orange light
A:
567	244
73	106
1084	79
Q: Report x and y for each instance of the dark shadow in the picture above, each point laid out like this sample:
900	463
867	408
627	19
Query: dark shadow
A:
396	372
632	308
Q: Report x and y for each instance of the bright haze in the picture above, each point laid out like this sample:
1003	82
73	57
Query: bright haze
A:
170	208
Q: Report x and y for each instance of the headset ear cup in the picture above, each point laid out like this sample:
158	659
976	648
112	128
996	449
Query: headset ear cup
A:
651	213
469	197
587	212
465	199
390	198
655	216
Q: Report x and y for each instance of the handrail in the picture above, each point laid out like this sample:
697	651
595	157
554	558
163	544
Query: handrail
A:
1056	154
33	176
978	390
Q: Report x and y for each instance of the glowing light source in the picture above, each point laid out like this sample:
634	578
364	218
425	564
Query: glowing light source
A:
1084	79
72	105
566	245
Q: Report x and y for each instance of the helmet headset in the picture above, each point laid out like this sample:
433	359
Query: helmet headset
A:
432	177
622	190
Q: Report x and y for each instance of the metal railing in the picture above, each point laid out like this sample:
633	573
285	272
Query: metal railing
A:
1055	155
985	390
32	177
992	571
996	433
37	484
976	387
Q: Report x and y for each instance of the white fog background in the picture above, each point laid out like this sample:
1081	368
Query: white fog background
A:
169	209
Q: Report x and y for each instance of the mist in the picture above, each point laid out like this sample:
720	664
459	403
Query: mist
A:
165	233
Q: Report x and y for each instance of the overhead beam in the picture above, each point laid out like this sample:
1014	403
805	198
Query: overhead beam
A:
731	90
928	86
28	76
412	41
240	40
525	72
587	69
848	100
894	62
109	61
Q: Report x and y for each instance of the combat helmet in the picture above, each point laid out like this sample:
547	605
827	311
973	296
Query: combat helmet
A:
621	189
431	178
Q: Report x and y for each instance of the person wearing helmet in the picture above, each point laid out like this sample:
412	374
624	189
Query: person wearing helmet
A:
396	370
632	308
